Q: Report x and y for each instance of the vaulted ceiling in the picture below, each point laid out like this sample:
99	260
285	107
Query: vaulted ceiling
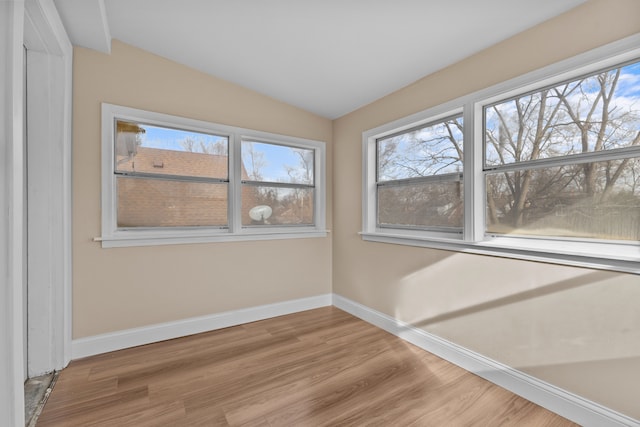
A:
329	57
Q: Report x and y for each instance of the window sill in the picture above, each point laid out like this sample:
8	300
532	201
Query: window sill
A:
603	256
146	238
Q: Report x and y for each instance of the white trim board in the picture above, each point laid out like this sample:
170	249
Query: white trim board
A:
48	187
119	340
11	219
564	403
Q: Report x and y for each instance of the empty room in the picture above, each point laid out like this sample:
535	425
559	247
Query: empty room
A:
319	213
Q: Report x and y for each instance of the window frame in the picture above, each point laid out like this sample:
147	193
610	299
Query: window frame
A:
275	184
426	179
112	236
601	254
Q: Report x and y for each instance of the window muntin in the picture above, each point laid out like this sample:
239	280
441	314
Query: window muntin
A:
543	177
419	177
278	186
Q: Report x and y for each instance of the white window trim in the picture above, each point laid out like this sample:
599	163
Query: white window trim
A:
615	256
112	236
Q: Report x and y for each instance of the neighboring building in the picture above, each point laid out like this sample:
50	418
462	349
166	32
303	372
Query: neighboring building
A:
168	202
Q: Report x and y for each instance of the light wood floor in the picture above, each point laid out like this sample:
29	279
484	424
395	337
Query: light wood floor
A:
321	367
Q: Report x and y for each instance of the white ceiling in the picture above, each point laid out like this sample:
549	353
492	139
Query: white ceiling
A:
329	57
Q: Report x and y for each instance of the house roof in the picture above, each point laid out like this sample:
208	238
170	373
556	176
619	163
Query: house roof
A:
153	203
173	162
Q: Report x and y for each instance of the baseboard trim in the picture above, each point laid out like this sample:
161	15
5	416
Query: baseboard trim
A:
562	402
104	343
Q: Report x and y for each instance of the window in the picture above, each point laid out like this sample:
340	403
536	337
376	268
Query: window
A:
564	161
283	192
419	177
168	180
551	169
170	177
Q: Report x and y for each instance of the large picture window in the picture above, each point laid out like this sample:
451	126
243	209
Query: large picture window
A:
168	179
551	169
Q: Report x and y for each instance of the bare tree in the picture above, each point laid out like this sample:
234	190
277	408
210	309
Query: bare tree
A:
432	150
202	145
576	117
302	172
189	144
253	160
522	135
424	152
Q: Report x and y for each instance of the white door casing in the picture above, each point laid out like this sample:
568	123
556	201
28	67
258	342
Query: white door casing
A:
49	70
11	213
36	25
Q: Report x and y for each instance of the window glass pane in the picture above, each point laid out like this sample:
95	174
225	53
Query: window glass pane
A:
434	204
277	163
593	200
144	202
264	205
595	113
431	150
158	150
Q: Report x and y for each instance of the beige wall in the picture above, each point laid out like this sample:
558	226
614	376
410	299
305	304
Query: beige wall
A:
120	288
576	328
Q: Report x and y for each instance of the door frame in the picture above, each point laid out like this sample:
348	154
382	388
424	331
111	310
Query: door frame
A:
49	85
11	209
36	25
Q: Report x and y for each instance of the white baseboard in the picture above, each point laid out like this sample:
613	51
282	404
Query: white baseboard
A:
119	340
564	403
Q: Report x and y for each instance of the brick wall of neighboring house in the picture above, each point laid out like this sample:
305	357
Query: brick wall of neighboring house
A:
144	202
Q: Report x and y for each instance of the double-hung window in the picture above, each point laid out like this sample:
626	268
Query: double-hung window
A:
564	161
169	179
551	167
281	194
419	178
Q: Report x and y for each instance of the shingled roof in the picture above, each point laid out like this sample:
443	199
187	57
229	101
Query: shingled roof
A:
173	162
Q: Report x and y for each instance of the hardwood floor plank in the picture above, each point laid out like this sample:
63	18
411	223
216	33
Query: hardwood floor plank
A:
320	367
153	414
87	410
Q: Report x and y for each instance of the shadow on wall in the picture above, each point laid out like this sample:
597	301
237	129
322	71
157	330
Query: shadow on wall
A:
617	378
576	328
518	295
